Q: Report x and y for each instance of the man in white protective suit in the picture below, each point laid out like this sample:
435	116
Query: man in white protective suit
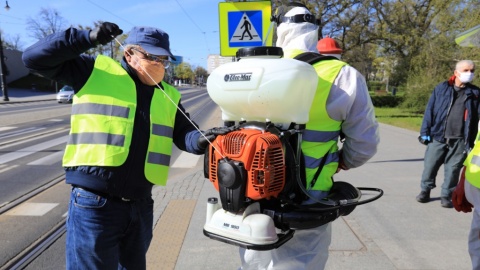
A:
341	105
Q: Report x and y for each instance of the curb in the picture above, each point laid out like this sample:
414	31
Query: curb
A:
24	101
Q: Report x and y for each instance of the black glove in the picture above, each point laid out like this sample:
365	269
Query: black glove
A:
210	134
104	33
424	139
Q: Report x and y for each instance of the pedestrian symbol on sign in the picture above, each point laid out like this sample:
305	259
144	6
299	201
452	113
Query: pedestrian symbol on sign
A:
245	33
246	28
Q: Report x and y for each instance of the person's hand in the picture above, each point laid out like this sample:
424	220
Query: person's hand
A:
104	33
459	200
210	135
341	163
423	139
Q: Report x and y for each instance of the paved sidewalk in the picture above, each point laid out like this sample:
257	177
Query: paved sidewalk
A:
394	232
16	95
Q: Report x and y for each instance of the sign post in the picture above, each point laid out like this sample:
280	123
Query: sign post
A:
244	24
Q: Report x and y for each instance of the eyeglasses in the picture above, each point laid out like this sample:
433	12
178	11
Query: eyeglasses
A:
155	58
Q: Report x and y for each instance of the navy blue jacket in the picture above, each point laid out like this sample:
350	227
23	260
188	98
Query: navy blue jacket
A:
438	107
60	57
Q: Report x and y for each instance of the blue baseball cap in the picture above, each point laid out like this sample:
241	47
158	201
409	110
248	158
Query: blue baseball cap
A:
153	40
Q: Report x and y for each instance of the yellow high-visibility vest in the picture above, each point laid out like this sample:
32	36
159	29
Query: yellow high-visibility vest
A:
102	122
472	163
321	135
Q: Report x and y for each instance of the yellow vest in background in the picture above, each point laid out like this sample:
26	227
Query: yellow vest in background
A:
472	163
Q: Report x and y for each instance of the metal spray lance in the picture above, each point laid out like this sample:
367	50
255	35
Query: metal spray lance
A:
171	100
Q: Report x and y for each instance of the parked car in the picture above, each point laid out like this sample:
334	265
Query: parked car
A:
65	94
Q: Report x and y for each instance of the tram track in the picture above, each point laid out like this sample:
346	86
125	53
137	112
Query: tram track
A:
30	253
23	259
12	204
34	245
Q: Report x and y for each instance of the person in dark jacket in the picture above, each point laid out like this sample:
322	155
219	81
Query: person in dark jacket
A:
123	124
449	128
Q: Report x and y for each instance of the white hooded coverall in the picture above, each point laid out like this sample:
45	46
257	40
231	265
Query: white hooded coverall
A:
349	102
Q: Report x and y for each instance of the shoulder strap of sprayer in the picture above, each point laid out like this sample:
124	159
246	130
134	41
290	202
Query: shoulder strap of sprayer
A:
312	58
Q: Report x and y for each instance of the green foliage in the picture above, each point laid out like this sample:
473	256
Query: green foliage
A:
410	43
399	117
418	92
374	86
201	75
386	101
184	72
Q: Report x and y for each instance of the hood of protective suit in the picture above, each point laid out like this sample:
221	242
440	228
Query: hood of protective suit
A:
297	37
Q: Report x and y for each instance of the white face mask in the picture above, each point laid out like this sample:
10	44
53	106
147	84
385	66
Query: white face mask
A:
465	77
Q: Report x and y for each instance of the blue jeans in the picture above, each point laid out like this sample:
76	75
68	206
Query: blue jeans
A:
104	233
451	155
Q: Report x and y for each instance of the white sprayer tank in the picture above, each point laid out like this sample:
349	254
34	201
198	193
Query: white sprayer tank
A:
261	86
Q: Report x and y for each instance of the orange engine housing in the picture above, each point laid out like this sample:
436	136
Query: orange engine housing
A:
261	153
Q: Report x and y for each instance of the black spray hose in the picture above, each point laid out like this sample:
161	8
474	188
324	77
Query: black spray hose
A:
335	205
299	178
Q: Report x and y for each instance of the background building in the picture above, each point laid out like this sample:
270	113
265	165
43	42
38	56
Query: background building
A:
215	60
178	61
13	61
170	73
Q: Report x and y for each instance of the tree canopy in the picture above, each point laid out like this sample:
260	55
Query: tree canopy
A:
48	21
407	44
404	43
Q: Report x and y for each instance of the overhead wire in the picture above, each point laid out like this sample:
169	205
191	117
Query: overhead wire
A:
181	7
171	100
196	25
108	11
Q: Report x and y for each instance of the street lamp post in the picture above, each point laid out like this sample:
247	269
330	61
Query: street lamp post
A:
2	72
2	64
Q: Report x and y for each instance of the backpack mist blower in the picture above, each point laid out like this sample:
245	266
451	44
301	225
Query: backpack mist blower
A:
257	167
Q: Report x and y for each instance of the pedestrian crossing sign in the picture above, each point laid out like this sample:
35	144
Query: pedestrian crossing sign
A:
244	24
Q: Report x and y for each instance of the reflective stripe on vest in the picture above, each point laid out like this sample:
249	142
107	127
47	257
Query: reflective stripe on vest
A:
472	163
103	109
321	134
102	122
162	119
